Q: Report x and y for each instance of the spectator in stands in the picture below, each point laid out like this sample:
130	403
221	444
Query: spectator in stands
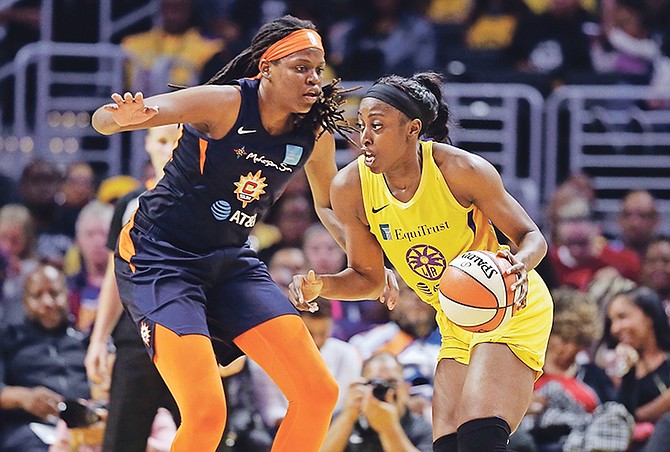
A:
387	36
639	220
575	331
638	326
580	251
623	44
554	42
79	187
39	185
176	43
411	335
115	187
41	363
285	263
376	415
292	214
570	385
17	244
342	360
576	192
490	24
91	236
656	268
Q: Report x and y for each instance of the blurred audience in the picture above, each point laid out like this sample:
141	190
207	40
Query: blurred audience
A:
412	336
639	220
79	187
39	186
91	236
656	268
172	52
580	251
291	215
490	24
17	245
637	328
555	42
386	36
376	414
574	393
41	364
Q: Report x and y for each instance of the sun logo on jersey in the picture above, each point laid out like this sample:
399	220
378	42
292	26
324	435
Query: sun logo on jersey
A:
240	152
145	332
426	261
250	188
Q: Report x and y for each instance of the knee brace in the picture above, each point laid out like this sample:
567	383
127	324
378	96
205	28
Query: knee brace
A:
489	434
446	443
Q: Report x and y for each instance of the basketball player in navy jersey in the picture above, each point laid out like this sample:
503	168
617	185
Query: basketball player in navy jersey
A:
421	204
184	267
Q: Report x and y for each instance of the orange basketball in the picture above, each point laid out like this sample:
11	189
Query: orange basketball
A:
474	292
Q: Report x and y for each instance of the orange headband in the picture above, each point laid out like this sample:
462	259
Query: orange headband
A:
295	42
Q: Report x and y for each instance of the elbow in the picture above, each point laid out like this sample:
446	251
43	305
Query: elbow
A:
101	125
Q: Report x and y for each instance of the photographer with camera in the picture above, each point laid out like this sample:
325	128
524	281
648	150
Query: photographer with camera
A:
376	415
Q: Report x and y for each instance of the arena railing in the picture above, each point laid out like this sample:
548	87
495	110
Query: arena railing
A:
618	134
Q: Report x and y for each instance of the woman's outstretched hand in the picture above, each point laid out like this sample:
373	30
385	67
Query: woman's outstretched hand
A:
129	110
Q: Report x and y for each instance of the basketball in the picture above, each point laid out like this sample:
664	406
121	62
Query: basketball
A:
474	292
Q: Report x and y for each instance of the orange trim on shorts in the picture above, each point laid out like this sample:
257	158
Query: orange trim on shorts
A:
298	40
126	245
203	154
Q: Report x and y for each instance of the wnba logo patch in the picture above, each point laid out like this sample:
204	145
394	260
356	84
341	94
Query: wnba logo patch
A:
220	210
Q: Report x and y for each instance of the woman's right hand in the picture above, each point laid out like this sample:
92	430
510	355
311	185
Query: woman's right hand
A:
129	110
303	290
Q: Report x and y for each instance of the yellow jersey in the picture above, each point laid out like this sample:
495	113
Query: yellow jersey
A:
420	237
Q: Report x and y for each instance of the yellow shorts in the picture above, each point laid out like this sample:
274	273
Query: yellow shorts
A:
526	334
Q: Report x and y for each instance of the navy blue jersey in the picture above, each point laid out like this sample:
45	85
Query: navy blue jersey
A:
214	191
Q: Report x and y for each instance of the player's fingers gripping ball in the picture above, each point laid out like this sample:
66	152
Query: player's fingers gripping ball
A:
475	292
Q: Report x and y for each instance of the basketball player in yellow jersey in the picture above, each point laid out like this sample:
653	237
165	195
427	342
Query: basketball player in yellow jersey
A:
422	203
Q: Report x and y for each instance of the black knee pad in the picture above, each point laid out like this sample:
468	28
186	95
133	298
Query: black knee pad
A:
446	443
489	434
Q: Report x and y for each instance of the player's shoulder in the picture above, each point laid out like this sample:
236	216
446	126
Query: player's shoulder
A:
348	177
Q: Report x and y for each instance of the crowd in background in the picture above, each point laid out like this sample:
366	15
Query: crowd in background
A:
608	367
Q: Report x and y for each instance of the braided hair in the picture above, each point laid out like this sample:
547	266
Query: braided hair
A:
326	114
426	90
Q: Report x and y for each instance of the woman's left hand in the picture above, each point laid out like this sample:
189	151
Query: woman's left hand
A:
520	286
391	291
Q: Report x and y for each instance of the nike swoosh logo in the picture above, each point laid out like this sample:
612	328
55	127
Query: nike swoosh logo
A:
241	131
380	208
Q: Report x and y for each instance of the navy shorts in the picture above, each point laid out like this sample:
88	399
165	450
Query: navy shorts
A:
219	294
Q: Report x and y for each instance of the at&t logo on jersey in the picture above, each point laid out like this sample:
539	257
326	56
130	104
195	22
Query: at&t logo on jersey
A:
220	210
250	188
